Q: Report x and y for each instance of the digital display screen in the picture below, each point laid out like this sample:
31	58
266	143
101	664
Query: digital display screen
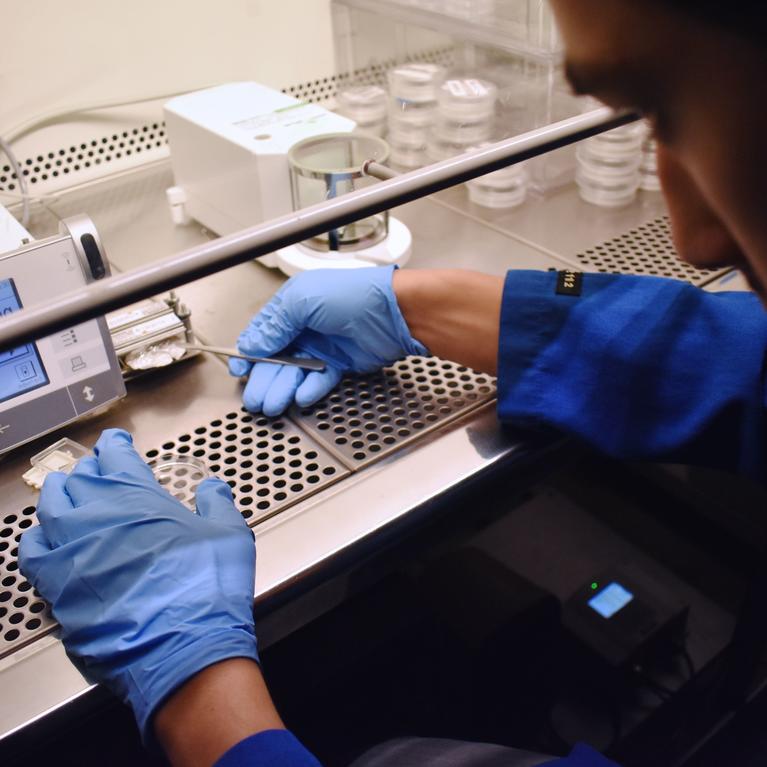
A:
21	369
610	599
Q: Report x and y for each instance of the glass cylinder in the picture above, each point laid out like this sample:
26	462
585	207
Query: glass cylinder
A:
323	167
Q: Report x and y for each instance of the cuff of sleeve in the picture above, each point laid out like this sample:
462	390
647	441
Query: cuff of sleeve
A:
532	315
270	748
168	673
581	756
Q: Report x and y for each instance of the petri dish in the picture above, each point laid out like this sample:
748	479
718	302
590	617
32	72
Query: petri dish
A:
180	475
416	81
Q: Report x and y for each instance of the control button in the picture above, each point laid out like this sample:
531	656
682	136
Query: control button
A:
68	337
25	371
82	360
76	337
95	391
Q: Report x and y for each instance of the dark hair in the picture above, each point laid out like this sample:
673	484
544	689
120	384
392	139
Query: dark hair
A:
745	17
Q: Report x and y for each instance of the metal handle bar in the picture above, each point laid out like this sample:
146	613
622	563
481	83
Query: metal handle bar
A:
102	296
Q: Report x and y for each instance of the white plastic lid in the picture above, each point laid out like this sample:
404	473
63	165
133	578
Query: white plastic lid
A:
416	82
364	103
467	99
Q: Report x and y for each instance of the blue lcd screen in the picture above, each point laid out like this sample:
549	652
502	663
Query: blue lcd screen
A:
21	369
610	599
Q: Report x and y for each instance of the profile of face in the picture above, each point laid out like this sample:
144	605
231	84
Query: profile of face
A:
703	90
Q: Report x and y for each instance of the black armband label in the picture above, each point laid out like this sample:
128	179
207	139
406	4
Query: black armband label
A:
569	283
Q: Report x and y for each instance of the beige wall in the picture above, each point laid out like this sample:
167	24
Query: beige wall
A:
57	54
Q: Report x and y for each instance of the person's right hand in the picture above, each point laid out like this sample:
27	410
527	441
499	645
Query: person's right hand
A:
347	318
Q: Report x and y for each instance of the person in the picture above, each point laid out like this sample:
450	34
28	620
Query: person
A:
156	602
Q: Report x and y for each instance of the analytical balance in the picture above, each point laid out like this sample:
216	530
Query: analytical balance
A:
243	153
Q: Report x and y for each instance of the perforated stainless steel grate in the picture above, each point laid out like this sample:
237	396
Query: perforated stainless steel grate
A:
268	462
648	249
23	613
371	416
70	160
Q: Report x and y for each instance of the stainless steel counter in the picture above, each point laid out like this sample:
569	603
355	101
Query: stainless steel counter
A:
195	402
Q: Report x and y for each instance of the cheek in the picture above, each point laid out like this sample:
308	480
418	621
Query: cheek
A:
731	176
700	236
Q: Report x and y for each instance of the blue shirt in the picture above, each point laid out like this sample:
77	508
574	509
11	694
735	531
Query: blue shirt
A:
640	367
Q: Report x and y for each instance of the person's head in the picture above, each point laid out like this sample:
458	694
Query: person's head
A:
698	71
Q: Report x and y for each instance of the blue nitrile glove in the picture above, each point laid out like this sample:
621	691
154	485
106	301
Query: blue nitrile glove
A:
147	593
349	318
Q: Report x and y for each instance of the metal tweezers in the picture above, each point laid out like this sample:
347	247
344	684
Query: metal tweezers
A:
223	351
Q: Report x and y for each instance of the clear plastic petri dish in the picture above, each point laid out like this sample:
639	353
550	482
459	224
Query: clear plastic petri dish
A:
365	104
404	114
496	196
407	157
463	133
416	81
597	163
504	188
180	475
467	100
607	190
413	138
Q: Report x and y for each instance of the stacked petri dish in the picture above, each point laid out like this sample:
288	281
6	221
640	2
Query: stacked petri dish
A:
465	116
505	188
648	167
469	9
412	111
607	171
367	105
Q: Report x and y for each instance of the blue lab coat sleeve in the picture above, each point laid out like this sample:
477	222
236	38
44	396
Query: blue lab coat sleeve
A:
279	748
271	748
581	756
640	367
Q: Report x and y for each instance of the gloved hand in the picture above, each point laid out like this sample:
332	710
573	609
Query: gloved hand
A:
349	318
147	593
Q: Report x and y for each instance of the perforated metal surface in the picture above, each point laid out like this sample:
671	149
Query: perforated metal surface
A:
269	464
648	249
23	613
70	160
368	417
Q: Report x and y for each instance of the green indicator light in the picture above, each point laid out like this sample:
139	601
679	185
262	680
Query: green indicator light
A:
594	585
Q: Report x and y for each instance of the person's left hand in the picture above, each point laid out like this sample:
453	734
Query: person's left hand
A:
147	593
